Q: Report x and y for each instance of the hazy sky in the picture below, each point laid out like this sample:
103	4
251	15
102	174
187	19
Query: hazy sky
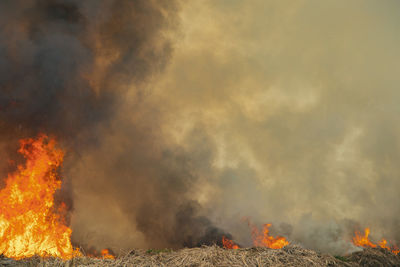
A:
182	116
300	100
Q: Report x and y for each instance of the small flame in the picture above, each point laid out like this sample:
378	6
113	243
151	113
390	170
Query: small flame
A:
363	241
263	239
105	254
383	244
260	238
228	244
30	223
395	250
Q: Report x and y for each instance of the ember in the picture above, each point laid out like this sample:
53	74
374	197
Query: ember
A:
228	244
105	253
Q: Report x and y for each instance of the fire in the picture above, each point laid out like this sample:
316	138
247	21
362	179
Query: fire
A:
383	244
395	250
260	238
30	223
263	239
363	241
105	253
228	244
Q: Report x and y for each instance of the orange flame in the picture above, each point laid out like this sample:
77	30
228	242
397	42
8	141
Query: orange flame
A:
395	250
260	239
105	254
228	244
383	244
363	241
263	239
30	224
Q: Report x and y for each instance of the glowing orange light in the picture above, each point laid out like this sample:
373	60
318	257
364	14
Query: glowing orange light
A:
30	223
105	253
228	244
362	240
263	239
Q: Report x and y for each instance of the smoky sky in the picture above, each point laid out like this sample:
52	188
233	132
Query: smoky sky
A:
179	118
300	102
64	64
78	71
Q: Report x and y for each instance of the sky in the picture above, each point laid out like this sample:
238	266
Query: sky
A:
300	102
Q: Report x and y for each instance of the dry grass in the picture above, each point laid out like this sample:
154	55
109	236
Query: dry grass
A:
216	256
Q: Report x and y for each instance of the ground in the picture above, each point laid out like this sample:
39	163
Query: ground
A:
216	256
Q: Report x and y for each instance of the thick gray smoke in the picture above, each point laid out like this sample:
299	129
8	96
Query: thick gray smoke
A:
181	118
301	101
71	69
66	64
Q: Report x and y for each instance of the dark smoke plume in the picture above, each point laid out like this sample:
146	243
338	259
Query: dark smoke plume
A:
65	64
78	70
179	118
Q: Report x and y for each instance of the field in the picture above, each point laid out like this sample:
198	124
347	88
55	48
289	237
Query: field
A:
215	256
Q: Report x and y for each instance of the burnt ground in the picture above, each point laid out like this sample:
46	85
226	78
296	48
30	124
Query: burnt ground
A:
215	256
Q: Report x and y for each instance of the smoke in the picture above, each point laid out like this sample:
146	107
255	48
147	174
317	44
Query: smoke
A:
179	119
65	64
78	70
299	100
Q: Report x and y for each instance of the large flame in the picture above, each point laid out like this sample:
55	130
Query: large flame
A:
362	240
30	223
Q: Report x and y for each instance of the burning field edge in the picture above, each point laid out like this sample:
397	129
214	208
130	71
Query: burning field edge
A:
291	255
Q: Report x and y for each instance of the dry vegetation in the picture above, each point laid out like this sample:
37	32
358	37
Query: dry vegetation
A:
216	256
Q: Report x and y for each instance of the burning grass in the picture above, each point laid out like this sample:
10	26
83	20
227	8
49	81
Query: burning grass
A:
291	255
32	224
